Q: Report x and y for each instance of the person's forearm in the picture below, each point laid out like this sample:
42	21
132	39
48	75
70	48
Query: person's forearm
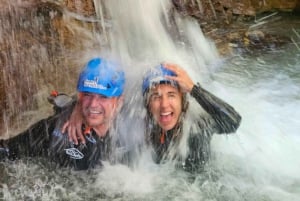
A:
225	116
32	142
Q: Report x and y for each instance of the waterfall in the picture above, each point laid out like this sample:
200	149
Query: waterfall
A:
144	34
150	32
259	162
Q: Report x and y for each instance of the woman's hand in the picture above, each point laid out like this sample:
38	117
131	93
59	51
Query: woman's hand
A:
74	126
185	82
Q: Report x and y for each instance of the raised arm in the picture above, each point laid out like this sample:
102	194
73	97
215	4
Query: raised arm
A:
226	118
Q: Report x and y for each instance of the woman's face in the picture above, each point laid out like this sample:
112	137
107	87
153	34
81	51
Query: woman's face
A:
165	105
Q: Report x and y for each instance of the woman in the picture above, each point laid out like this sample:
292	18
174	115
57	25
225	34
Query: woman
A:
165	91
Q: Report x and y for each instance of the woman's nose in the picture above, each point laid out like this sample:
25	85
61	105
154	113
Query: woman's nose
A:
164	101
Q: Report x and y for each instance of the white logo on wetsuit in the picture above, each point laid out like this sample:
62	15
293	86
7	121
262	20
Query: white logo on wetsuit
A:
90	138
74	153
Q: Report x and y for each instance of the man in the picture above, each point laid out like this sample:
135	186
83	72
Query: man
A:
165	90
100	86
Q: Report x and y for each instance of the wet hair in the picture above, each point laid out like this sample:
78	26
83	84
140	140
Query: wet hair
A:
153	130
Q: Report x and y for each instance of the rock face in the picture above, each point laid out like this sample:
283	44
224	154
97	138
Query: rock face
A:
85	8
228	9
33	39
40	47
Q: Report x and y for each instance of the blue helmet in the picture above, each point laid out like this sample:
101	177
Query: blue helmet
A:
103	77
157	75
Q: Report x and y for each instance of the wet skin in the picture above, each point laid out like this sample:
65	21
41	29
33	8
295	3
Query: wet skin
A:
98	111
165	105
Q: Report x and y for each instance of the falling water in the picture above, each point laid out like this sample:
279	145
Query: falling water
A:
259	162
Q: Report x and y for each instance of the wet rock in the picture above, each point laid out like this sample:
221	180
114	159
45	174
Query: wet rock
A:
229	10
256	42
82	7
30	52
255	35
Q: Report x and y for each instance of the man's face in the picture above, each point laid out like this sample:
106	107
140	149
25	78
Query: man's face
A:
98	110
165	105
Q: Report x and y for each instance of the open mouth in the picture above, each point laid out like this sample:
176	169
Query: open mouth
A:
166	116
95	112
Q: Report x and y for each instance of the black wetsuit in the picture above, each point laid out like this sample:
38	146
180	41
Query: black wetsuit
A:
44	139
221	118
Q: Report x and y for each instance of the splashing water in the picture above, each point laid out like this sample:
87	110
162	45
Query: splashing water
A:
259	162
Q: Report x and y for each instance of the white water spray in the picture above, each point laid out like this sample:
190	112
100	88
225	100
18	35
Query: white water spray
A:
259	162
262	156
146	33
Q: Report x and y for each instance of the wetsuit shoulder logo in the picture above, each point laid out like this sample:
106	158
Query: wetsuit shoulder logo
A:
57	133
74	153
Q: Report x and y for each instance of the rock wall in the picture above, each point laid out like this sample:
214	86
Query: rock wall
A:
229	10
37	55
